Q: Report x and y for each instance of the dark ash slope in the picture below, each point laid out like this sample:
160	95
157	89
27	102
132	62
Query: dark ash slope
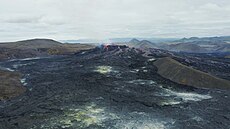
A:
179	73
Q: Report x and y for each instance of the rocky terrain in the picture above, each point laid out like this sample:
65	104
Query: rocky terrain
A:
10	81
115	87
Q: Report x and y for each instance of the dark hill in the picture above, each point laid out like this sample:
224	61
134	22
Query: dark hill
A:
179	73
38	47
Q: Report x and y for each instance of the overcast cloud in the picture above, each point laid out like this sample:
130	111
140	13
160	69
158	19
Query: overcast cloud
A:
101	19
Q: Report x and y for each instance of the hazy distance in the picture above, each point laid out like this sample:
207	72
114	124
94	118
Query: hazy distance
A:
105	19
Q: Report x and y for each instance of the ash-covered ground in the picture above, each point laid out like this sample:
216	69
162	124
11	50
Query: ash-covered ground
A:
114	89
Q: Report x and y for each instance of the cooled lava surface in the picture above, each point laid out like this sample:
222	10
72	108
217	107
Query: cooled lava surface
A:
116	88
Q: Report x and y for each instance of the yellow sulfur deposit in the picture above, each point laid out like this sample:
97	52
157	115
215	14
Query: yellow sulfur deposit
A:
103	69
87	116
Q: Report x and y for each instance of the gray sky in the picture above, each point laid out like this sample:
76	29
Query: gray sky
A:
101	19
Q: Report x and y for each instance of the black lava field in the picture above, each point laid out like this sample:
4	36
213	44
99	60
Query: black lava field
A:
117	89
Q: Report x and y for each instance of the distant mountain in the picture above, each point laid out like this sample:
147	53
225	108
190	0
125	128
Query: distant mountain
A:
185	47
85	41
210	39
141	44
119	40
134	41
191	45
146	44
200	45
38	47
